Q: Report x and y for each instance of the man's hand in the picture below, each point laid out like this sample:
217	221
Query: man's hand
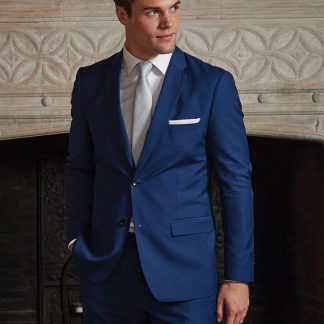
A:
233	298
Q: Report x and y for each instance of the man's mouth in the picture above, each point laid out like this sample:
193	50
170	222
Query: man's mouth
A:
166	37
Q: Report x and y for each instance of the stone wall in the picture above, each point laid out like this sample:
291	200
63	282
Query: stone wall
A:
274	48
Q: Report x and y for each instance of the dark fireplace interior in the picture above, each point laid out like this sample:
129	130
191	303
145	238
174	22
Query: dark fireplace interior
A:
36	274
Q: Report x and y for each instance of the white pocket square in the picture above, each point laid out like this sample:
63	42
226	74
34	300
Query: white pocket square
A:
184	121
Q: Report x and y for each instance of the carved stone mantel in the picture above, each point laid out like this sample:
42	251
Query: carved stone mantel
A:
275	50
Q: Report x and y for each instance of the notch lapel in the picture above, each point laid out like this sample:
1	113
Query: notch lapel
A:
113	90
173	82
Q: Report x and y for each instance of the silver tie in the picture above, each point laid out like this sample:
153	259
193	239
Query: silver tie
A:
142	110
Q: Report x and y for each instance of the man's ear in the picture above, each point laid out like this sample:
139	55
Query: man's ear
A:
122	15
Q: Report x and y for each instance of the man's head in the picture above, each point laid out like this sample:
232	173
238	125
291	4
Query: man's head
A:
151	26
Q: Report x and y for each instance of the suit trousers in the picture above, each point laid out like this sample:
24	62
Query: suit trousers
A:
125	298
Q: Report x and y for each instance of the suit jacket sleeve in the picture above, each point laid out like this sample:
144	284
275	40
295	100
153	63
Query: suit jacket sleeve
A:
79	169
228	148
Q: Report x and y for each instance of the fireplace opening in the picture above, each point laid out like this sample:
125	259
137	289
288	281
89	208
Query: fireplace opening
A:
288	182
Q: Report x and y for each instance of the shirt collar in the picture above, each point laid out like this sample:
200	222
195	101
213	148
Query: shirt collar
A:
160	61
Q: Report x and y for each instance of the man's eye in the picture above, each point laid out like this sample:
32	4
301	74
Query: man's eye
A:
152	12
174	9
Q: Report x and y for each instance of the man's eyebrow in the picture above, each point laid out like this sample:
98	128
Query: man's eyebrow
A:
176	4
159	8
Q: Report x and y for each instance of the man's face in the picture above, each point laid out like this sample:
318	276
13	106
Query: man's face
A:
152	27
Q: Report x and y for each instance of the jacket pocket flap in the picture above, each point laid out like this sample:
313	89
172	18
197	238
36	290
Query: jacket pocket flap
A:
189	226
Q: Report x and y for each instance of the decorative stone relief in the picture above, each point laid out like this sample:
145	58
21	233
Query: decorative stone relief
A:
49	57
262	54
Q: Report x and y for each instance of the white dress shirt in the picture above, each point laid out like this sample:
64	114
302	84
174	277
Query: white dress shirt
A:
128	80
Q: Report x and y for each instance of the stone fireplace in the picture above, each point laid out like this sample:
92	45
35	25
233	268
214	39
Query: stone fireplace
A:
275	50
37	273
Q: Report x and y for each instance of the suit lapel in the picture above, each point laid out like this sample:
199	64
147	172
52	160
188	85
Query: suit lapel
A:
113	90
171	89
174	79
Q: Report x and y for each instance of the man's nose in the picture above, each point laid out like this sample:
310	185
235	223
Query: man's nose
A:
166	20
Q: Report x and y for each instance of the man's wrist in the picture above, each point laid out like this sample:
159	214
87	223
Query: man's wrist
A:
235	281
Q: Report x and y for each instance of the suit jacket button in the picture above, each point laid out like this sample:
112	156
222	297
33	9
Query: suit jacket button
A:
136	183
123	222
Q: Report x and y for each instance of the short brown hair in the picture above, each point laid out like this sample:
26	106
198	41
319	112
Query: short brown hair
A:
126	4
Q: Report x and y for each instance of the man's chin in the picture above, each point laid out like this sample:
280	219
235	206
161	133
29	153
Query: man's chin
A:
166	49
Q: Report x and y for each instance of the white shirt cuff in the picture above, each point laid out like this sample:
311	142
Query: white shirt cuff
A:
69	245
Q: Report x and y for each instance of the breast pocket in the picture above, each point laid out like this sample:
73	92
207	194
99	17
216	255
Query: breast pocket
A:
180	125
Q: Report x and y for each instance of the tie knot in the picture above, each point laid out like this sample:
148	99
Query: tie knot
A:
144	67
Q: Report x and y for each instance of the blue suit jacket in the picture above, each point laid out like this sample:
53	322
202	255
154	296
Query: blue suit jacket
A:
169	202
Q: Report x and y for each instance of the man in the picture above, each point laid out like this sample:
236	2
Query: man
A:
146	123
